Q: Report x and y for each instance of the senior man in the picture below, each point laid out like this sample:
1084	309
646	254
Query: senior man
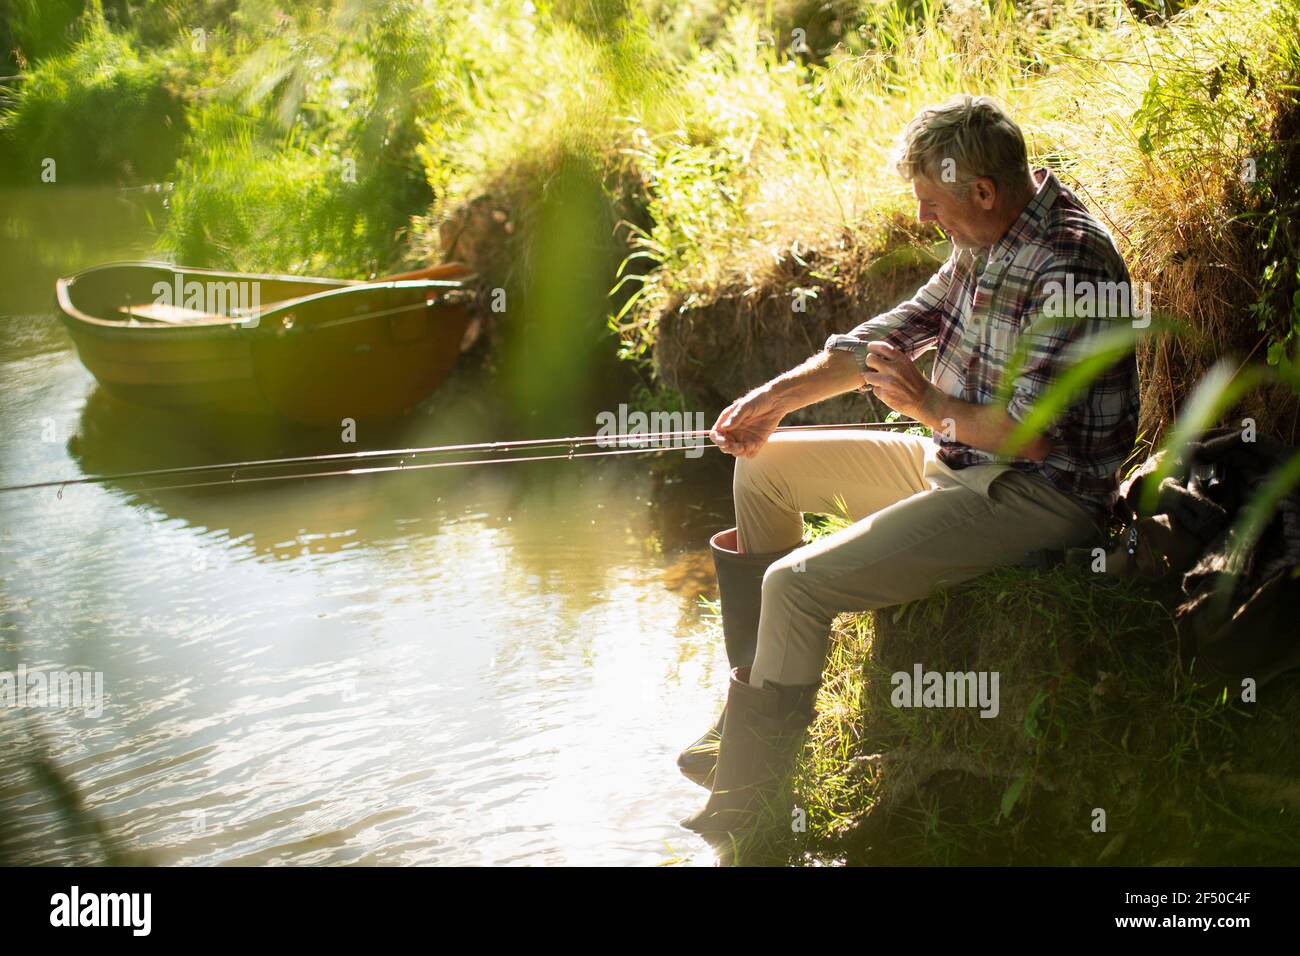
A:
927	513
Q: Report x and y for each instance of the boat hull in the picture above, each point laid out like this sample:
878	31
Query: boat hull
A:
335	366
321	352
185	370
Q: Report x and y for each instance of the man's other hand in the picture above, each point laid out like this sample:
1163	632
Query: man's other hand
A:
896	381
746	424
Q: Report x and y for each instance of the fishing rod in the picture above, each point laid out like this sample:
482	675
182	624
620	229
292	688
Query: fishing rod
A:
249	479
642	443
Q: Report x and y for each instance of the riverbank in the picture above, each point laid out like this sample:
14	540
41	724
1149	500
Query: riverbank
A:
1105	748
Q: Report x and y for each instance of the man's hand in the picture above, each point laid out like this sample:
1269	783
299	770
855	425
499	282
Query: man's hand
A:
746	424
896	381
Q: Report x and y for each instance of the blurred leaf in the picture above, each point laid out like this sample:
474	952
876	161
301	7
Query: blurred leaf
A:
1251	522
1012	795
1088	359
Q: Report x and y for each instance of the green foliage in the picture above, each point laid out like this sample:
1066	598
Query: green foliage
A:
102	111
33	30
728	140
165	23
820	525
1275	218
243	204
308	158
1237	108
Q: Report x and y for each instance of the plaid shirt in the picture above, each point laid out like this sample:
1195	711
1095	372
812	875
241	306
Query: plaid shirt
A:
980	308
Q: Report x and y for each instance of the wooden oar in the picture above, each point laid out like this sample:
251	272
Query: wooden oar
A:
446	270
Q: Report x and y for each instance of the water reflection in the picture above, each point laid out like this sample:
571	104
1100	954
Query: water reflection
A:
56	229
488	665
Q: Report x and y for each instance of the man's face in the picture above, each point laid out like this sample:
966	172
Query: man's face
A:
967	221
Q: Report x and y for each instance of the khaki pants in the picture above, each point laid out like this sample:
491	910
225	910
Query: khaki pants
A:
918	525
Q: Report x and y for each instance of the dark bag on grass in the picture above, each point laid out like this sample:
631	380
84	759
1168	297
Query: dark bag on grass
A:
1255	632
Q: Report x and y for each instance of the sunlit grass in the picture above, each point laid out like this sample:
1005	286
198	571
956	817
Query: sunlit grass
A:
1096	712
771	158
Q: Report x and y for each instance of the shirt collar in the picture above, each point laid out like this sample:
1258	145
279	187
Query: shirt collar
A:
1032	219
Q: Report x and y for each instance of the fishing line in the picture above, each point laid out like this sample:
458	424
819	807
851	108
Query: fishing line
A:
403	467
627	444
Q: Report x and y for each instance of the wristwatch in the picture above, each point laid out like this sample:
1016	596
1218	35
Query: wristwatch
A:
847	343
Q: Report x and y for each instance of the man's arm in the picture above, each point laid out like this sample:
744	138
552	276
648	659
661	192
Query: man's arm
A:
986	427
746	424
1050	336
823	375
911	327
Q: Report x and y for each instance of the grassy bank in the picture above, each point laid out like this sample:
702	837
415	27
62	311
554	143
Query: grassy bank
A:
1106	747
776	188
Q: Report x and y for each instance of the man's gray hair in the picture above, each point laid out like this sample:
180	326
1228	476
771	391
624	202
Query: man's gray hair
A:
962	140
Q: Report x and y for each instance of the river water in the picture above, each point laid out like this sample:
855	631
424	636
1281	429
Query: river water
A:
491	665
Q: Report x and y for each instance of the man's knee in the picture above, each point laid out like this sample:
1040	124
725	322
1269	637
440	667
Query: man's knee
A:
754	469
815	581
788	578
761	477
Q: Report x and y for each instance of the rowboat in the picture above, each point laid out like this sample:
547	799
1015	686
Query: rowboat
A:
311	350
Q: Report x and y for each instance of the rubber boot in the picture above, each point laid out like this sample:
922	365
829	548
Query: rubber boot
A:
760	739
740	592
